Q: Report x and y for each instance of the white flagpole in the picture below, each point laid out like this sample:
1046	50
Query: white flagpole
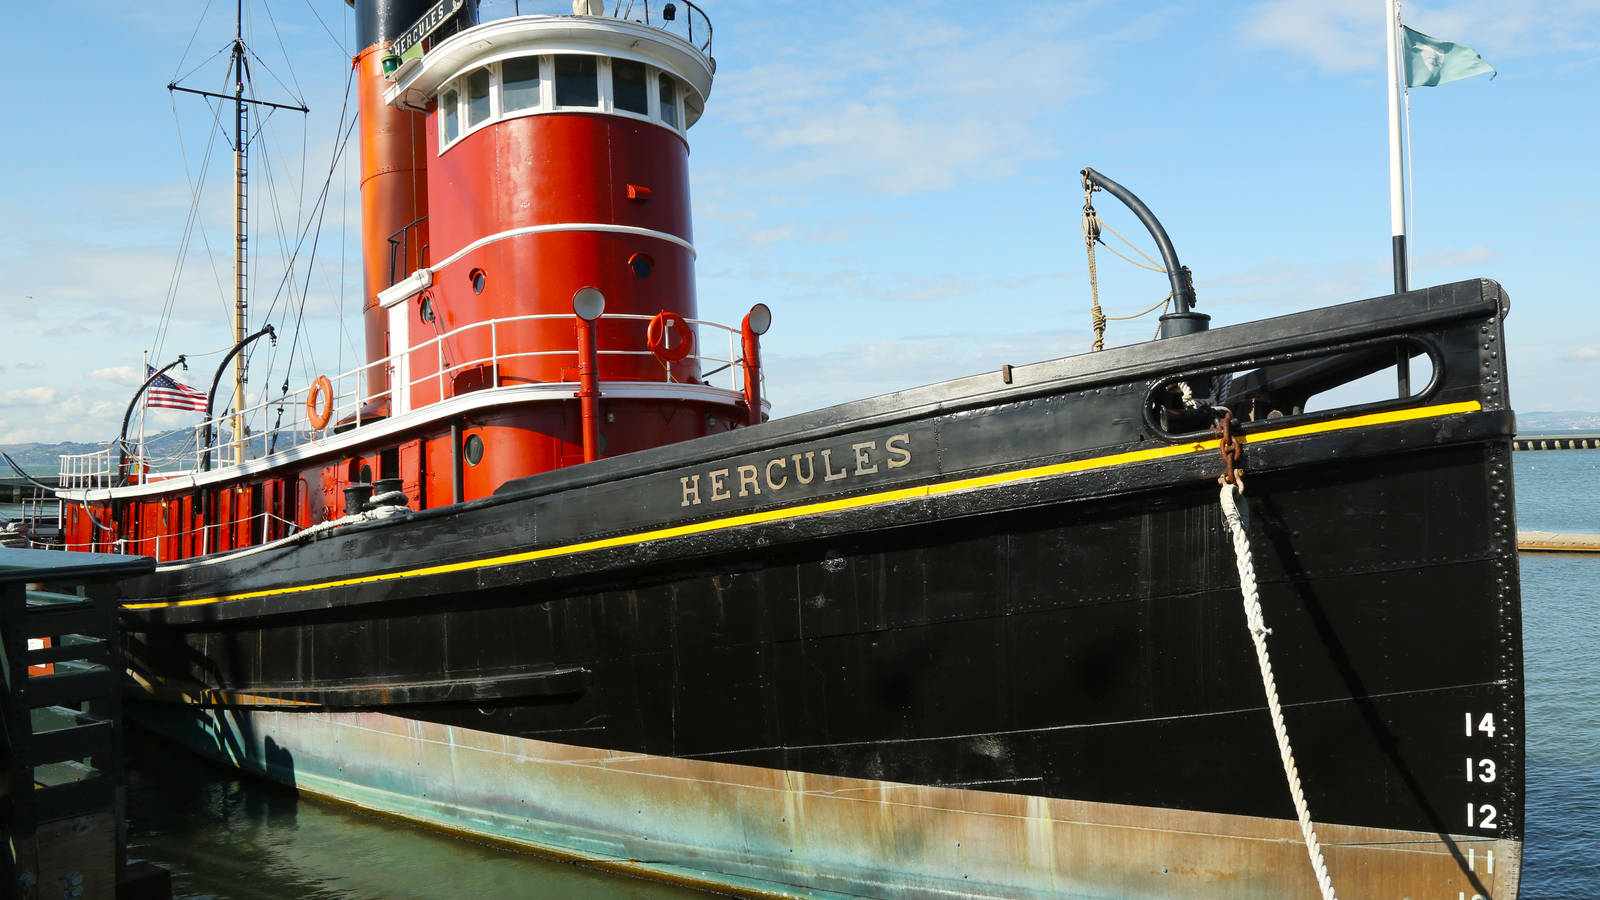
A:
144	372
1397	178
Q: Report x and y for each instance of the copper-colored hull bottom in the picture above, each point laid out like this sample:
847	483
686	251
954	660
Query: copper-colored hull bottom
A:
770	832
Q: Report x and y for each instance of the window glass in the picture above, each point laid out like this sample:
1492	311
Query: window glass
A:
577	81
477	97
450	115
669	100
520	78
628	87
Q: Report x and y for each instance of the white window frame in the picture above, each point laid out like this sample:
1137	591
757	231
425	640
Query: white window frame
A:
546	88
602	77
547	97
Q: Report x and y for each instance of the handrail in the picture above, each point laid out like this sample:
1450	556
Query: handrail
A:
688	21
350	398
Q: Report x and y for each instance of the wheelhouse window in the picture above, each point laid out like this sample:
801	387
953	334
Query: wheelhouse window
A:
450	115
478	98
519	84
669	99
628	93
532	85
577	81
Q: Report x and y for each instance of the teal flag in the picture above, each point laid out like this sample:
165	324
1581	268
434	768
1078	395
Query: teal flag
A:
1430	61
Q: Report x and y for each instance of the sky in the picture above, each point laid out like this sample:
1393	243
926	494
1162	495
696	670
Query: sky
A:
897	181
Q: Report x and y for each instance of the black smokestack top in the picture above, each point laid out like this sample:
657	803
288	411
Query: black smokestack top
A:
381	21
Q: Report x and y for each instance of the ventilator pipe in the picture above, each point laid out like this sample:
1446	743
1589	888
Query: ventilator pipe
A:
755	324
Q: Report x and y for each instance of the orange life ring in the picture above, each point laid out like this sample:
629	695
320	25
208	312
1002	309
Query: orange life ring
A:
317	413
656	337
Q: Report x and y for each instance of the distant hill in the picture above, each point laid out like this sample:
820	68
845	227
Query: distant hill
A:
45	459
1548	422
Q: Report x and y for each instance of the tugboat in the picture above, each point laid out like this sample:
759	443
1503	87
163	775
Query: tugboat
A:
542	571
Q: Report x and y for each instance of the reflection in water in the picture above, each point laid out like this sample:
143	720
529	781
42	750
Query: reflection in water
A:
230	837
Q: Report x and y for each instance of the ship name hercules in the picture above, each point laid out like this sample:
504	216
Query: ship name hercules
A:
862	459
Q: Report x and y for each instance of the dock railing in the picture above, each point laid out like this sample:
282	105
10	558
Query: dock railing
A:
61	801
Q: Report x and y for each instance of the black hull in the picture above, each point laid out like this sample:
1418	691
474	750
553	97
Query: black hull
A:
1008	583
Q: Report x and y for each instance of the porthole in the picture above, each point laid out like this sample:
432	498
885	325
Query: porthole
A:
473	450
641	264
477	279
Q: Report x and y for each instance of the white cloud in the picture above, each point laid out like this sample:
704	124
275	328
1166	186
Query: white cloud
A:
940	108
128	375
33	396
1347	35
1586	353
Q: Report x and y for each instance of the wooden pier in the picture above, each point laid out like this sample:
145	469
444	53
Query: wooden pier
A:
1559	440
1557	542
62	791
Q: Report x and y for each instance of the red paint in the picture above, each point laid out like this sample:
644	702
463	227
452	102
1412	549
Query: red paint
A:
589	389
750	343
394	194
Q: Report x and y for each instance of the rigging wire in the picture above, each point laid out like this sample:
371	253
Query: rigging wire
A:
299	92
192	222
336	42
186	47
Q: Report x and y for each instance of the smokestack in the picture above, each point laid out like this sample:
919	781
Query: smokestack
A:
394	178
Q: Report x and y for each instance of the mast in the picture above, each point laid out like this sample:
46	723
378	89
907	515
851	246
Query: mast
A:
240	231
241	212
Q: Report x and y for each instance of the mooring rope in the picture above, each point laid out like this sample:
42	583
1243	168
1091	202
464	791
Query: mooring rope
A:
1257	625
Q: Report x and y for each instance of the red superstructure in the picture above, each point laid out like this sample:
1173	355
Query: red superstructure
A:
519	173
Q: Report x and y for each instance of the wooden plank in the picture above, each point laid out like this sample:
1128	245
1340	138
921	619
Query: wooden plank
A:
77	858
1557	542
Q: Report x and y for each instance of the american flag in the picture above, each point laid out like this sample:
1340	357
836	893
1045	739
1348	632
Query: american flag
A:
169	394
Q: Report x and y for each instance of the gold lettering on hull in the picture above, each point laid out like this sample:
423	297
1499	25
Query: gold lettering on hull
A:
863	459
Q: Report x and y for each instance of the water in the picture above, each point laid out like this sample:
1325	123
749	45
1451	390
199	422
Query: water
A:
1559	490
227	838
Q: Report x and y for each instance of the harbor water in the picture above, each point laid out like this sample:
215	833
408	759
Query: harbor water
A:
224	836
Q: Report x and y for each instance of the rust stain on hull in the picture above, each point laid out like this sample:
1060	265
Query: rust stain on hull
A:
767	832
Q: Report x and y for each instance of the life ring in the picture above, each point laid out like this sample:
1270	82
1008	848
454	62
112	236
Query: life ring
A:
656	337
318	413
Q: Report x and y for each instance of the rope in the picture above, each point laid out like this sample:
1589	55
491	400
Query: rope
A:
1153	266
1164	301
1091	234
1234	516
1092	225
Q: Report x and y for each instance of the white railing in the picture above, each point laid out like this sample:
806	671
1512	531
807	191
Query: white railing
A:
688	20
153	546
289	420
89	470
